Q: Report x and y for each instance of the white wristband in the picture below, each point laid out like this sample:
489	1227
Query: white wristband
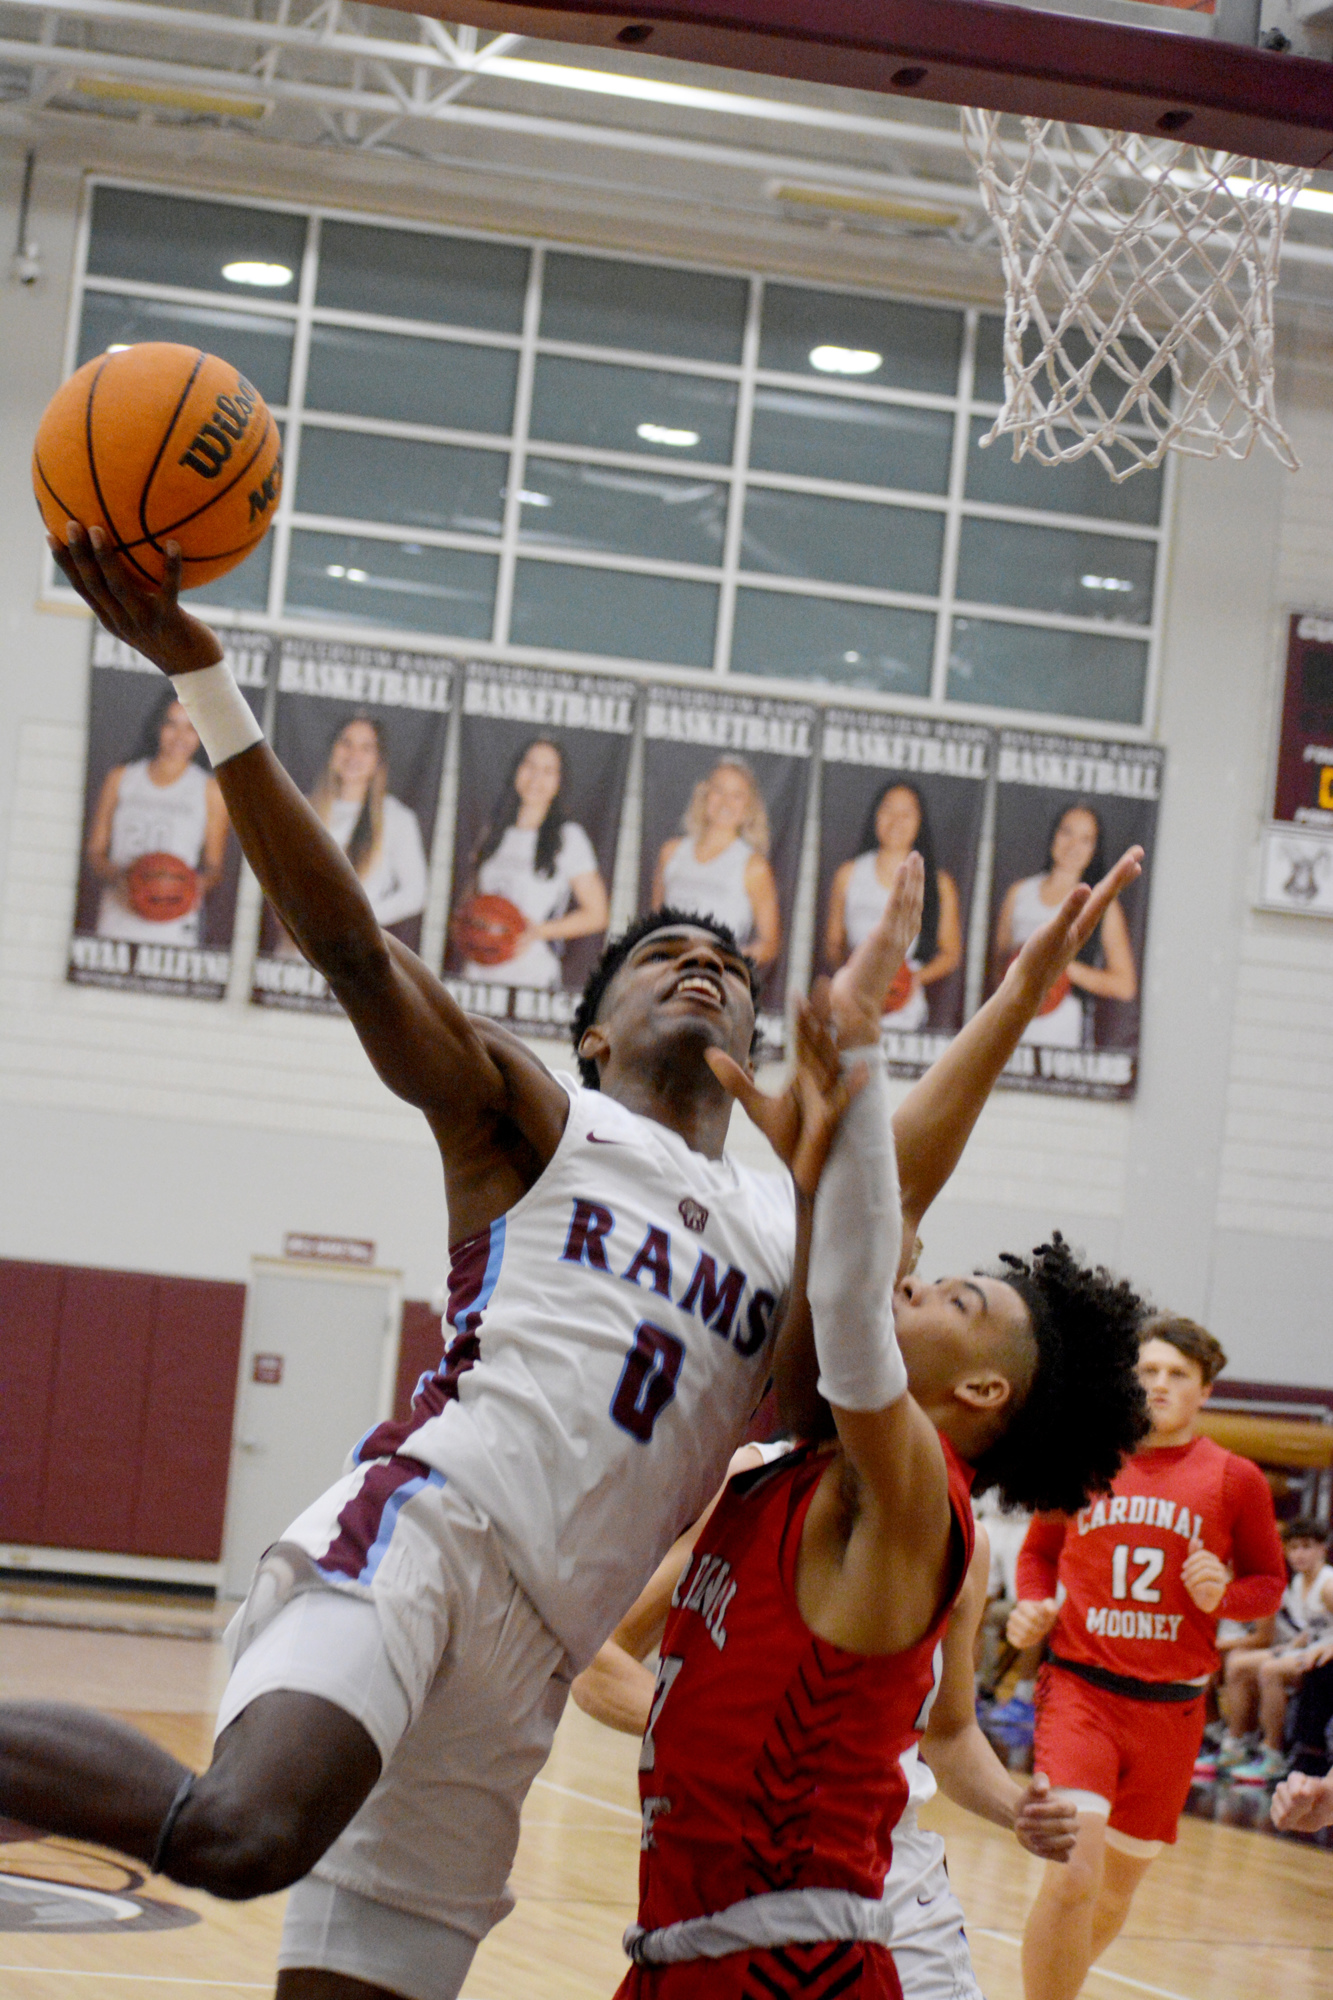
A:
222	716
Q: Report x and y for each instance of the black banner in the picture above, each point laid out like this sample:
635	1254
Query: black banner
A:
156	904
361	730
892	784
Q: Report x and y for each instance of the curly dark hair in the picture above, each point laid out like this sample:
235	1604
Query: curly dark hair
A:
614	956
1085	1410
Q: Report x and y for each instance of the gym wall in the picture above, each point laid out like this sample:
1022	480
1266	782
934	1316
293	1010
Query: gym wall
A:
142	1137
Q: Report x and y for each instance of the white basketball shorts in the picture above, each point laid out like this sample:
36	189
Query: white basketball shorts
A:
460	1686
929	1944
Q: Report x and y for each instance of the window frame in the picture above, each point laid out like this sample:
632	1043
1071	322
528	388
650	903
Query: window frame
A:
737	476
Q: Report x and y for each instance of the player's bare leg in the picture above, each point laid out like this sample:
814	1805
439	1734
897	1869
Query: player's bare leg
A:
1121	1875
1057	1944
286	1777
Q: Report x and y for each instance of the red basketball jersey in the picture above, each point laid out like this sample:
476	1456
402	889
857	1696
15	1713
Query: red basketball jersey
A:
1119	1562
770	1761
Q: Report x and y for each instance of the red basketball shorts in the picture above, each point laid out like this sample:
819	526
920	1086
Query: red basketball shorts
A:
1137	1755
810	1971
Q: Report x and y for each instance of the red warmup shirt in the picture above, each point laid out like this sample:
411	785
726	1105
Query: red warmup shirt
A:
1119	1562
771	1757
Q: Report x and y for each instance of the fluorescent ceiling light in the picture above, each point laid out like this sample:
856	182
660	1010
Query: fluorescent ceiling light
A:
119	347
1106	583
528	499
851	659
845	360
883	207
334	569
1317	200
171	97
664	434
247	273
357	576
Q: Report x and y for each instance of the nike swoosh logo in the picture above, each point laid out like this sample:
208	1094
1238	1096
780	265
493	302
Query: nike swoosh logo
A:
925	1901
593	1140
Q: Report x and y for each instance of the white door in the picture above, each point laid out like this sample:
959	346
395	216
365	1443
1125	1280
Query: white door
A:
318	1358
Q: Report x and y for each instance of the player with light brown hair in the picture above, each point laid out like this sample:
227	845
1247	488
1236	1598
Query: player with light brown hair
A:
1129	1591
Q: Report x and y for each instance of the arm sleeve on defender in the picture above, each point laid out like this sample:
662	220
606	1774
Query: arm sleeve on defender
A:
854	1249
1256	1547
1038	1564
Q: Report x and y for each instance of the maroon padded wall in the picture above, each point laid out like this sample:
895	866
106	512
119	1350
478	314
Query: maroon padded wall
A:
116	1416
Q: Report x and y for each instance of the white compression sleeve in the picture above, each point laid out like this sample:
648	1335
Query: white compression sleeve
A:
219	711
854	1250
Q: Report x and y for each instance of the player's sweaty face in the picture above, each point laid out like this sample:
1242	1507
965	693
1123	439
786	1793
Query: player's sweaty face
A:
950	1325
684	975
1173	1384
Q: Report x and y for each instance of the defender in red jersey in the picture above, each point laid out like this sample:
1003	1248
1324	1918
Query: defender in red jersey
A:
801	1655
1130	1590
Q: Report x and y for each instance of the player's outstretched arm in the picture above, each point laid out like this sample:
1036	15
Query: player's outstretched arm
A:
421	1043
963	1761
934	1121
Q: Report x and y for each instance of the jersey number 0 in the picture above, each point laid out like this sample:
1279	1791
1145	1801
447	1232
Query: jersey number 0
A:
647	1380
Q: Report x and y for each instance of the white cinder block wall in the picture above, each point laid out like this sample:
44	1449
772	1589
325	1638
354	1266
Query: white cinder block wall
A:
179	1137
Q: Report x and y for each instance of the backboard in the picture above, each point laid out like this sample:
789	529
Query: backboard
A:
1205	84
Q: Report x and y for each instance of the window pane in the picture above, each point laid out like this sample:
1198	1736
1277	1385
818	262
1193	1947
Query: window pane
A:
827	639
841	437
359	581
885	345
842	541
410	274
609	611
623	513
650	308
169	241
367	478
1052	569
261	348
244	588
632	409
411	381
1081	488
1069	673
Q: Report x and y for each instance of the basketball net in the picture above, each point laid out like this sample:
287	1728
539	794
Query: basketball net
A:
1139	281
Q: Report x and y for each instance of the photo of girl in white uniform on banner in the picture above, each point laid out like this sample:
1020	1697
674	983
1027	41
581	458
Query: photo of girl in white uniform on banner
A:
541	863
1062	805
380	836
898	824
163	803
1105	968
718	864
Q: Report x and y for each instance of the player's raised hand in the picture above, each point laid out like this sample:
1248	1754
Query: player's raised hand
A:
145	617
1030	1620
1205	1576
800	1121
1302	1804
861	987
1060	940
1046	1826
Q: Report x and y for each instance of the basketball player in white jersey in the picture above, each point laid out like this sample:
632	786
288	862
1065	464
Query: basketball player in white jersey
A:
929	1943
160	803
405	1651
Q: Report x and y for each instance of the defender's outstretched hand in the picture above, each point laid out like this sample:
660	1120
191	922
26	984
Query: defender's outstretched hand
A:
149	619
861	987
1046	1826
1049	950
800	1121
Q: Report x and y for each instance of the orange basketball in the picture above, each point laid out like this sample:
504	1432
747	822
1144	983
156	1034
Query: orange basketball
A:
487	928
161	887
900	992
1055	993
161	443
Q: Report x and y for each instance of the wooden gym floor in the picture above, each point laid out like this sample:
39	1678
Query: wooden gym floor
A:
1227	1916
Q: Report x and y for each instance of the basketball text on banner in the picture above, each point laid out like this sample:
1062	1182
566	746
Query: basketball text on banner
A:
725	783
156	903
362	731
1066	807
543	759
893	784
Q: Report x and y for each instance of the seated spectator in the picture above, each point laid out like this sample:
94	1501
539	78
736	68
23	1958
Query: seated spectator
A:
1260	1680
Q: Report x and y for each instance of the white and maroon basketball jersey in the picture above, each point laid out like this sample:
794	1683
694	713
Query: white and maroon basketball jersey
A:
611	1337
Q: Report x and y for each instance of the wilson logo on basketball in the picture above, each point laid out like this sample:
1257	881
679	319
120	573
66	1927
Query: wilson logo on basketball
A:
263	496
211	447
